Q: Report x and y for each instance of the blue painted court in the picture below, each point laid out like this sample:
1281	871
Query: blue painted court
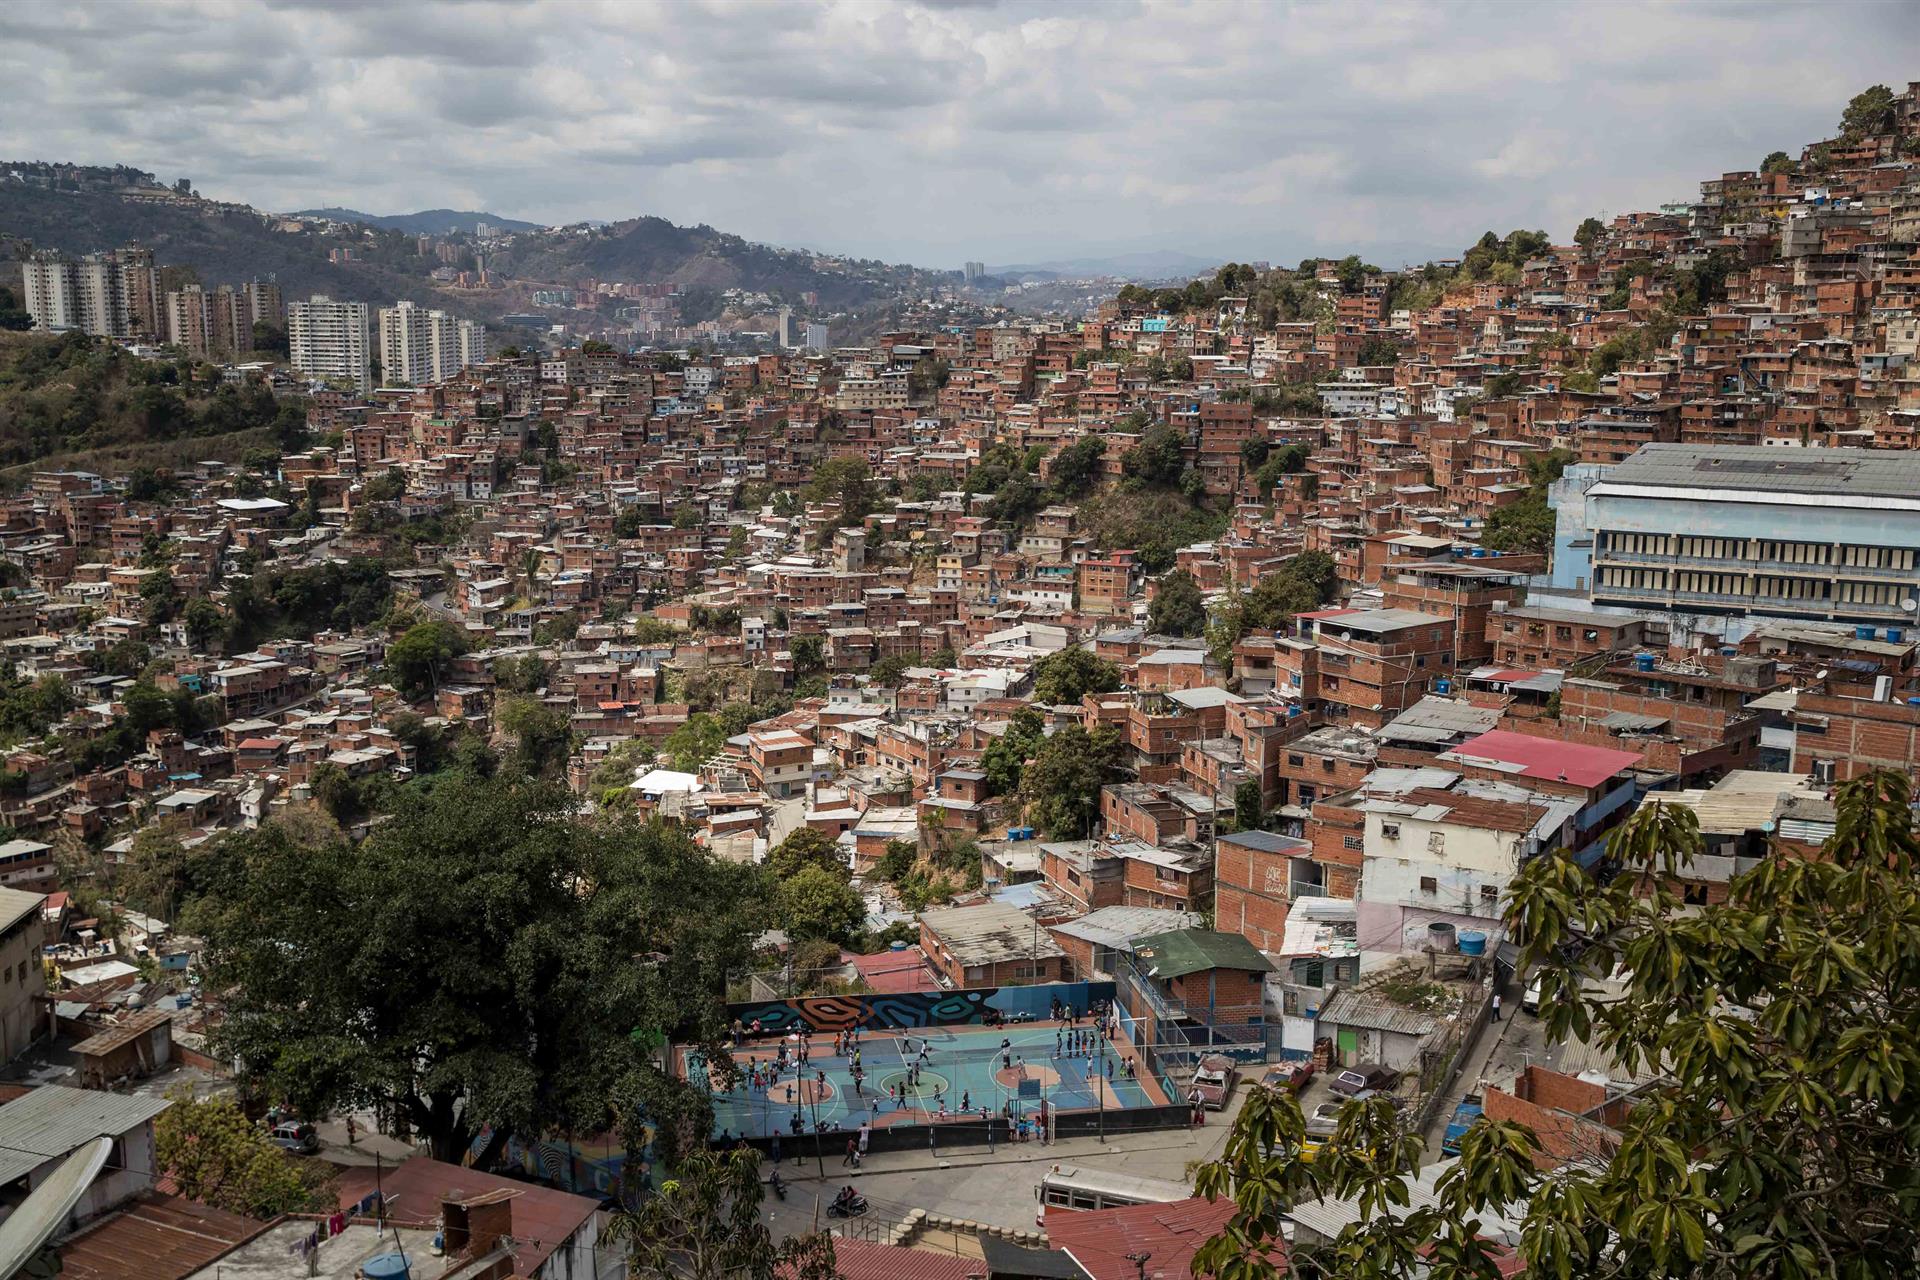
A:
963	1067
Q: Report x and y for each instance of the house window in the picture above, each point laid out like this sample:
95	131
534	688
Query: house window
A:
1489	894
1390	830
1436	842
1353	842
1429	885
1296	760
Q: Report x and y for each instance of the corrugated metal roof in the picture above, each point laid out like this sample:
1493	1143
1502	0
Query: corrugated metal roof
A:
1353	1009
1771	469
52	1120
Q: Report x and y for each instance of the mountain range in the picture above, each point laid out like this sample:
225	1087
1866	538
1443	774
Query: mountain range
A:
426	222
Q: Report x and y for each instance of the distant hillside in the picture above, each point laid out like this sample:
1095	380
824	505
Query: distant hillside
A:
653	250
1151	264
219	243
427	222
89	403
223	243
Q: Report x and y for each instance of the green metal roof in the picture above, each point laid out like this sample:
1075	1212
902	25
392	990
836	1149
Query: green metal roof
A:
1184	951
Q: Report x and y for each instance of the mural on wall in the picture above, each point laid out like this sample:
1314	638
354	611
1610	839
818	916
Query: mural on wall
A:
588	1166
973	1006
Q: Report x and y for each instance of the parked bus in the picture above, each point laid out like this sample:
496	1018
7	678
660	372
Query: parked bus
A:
1071	1187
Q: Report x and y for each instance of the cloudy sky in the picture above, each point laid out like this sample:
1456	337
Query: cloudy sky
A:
935	132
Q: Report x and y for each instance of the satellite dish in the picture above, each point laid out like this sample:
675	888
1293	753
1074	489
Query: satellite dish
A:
44	1212
1910	603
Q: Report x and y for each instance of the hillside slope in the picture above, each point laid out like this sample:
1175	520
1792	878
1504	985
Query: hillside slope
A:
219	243
427	222
72	396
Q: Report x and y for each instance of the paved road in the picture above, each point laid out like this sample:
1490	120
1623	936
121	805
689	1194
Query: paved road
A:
997	1190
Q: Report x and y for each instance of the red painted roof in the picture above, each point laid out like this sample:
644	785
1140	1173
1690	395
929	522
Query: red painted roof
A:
865	1260
1548	759
1100	1239
1327	613
895	972
543	1219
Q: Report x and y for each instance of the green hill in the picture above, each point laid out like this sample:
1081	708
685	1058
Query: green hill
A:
88	403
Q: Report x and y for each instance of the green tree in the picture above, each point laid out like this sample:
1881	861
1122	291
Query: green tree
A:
1071	674
846	481
705	1224
805	847
809	654
814	902
155	877
695	742
1247	807
893	865
890	670
1589	231
417	660
1159	457
1077	467
1871	111
206	624
543	736
216	1156
1005	758
517	946
1777	162
1178	608
1781	1027
1062	784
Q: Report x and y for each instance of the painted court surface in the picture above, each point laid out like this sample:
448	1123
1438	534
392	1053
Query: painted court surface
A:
961	1064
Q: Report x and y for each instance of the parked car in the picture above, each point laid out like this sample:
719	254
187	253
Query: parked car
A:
291	1135
1215	1079
1324	1120
1292	1076
1363	1080
1463	1117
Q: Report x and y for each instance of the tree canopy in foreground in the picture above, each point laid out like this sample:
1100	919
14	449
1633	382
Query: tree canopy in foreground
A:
487	959
1781	1136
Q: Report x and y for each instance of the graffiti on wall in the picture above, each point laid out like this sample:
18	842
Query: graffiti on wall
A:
972	1006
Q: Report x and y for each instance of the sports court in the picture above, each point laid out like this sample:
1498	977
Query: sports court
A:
963	1066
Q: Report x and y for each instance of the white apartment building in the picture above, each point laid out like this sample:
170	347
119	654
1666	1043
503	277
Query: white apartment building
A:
108	295
418	347
327	341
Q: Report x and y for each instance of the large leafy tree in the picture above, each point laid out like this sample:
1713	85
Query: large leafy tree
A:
1178	608
418	659
1071	674
1006	756
484	959
1780	1138
805	847
1062	784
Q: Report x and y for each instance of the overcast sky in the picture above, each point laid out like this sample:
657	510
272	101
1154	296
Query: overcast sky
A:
937	132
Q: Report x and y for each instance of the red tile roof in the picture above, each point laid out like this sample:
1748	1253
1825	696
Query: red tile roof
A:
1100	1239
1548	759
543	1218
895	972
157	1237
865	1260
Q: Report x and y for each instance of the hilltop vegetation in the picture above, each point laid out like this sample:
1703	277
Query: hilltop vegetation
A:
73	394
654	249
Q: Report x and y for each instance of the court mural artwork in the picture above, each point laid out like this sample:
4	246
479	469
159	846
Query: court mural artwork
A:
1019	1055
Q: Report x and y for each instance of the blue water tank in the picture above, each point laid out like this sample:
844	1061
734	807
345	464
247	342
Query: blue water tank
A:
1293	710
896	945
1913	702
1895	634
386	1266
1443	686
1643	661
1473	942
1479	552
1863	633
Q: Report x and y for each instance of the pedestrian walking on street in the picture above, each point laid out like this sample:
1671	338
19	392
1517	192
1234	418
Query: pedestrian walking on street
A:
853	1152
1496	1006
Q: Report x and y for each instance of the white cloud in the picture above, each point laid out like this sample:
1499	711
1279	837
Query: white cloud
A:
933	132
